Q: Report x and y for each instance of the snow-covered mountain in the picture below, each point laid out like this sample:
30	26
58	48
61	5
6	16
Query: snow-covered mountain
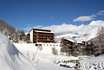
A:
78	36
82	32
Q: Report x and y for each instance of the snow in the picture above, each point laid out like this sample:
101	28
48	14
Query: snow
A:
43	58
78	32
26	56
94	63
97	59
43	31
11	58
67	35
23	56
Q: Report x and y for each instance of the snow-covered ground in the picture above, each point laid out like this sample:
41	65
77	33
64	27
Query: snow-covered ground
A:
43	58
11	58
94	63
26	57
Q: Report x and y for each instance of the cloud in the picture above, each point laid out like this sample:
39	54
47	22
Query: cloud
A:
27	29
97	23
88	18
39	26
83	18
63	28
69	28
100	12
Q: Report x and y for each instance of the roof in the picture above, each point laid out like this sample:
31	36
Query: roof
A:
43	32
40	30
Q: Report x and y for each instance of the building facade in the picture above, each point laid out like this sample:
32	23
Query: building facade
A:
41	35
66	46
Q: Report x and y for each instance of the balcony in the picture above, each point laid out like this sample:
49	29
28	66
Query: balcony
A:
45	34
45	37
44	40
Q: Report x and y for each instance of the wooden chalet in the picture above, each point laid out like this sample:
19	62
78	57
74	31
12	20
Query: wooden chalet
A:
66	46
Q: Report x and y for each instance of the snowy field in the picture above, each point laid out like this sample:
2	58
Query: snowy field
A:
42	58
45	60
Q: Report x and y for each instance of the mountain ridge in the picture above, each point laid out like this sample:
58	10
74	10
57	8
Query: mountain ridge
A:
6	27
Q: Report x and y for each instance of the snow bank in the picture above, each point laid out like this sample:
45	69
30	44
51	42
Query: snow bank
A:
30	50
11	58
97	59
94	63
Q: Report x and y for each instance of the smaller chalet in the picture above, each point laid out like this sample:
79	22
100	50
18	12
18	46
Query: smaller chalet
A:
41	35
66	46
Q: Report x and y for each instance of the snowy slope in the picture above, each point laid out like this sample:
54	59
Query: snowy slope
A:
11	58
44	59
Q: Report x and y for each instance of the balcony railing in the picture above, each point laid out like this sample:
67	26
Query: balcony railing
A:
44	40
45	37
45	34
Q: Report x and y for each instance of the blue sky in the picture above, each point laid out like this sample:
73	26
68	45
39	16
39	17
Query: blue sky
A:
31	13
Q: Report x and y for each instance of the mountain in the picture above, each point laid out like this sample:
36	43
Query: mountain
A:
13	34
77	37
5	28
81	33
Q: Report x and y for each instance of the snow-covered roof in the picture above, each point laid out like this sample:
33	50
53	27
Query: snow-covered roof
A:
70	39
43	31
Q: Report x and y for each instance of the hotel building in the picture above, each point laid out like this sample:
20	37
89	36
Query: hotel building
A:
41	35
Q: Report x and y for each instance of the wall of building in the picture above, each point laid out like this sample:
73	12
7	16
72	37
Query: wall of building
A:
31	36
48	44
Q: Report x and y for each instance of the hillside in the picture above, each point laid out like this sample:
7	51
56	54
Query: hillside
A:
12	33
5	27
11	58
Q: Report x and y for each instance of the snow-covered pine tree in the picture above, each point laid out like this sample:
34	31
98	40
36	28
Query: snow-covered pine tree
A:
100	39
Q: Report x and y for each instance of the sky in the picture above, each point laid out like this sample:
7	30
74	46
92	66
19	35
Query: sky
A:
25	14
